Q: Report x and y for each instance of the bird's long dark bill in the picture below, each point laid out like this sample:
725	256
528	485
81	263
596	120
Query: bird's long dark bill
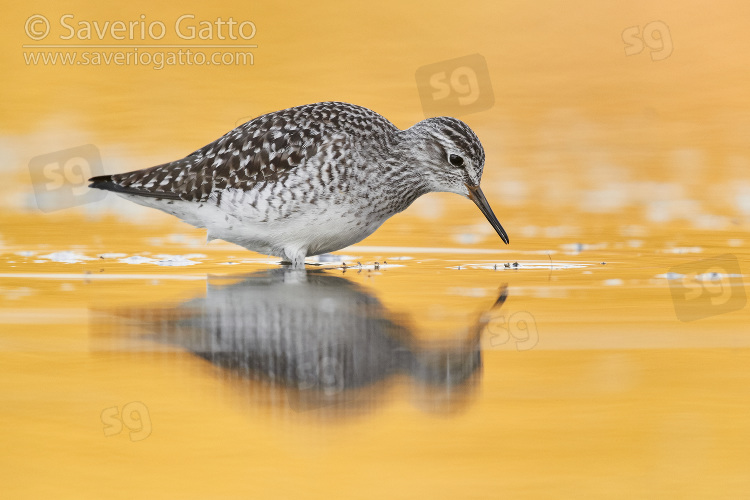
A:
477	196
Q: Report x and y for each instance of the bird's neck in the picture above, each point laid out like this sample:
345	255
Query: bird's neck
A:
403	176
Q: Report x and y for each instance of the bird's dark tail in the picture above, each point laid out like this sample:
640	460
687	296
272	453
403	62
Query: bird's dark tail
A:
109	183
104	182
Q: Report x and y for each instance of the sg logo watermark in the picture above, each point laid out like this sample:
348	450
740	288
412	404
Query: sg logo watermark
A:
707	287
60	179
134	416
455	87
655	36
519	326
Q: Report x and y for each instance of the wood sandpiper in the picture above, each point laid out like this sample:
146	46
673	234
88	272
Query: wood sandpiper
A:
310	179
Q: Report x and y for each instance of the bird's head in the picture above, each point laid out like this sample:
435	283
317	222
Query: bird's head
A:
449	157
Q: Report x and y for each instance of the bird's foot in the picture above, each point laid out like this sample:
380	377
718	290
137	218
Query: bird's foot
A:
295	257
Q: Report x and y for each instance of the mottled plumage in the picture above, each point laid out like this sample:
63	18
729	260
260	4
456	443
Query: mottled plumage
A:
310	179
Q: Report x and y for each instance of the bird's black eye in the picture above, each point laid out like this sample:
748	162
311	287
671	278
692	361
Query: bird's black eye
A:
456	160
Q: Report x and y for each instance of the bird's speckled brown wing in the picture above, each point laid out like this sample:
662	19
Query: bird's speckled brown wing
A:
265	149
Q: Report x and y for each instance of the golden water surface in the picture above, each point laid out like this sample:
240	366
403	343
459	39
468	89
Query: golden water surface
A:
604	353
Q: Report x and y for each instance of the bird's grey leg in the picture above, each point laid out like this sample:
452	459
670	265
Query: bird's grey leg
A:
296	256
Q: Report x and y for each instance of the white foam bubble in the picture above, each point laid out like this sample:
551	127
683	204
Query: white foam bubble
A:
65	257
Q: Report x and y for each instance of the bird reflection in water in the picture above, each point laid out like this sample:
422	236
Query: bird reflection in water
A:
323	340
